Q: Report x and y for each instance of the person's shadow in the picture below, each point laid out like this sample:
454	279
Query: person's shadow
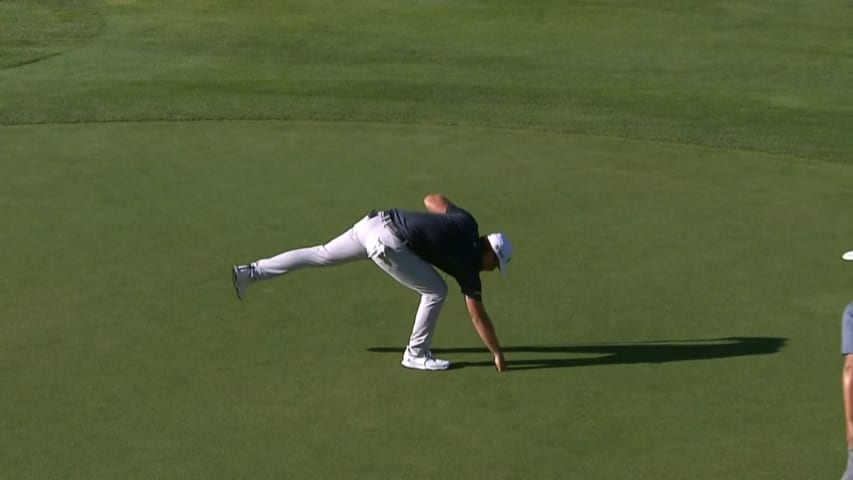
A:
523	357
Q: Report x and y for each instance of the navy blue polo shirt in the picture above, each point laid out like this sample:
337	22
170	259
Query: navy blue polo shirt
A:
448	241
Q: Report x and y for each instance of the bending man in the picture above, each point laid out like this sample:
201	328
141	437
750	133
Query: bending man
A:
407	245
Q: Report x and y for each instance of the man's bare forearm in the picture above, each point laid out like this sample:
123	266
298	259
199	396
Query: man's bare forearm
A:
486	330
483	325
847	387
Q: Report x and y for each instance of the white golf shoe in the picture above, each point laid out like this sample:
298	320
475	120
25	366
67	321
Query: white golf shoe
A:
241	276
424	362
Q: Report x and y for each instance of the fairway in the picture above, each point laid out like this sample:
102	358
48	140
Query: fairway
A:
671	312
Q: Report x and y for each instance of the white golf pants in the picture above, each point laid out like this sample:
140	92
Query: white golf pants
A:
369	238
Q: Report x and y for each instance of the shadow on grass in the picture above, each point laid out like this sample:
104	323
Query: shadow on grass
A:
617	353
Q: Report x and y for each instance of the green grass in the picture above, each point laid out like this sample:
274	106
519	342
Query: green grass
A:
768	77
39	30
672	310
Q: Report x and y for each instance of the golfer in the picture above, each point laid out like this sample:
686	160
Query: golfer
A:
407	245
847	377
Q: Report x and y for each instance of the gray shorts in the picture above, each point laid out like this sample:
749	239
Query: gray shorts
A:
847	330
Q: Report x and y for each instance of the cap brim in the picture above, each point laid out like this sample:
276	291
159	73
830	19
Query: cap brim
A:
848	257
502	266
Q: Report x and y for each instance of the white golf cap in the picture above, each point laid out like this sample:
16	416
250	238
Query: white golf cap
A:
502	248
848	256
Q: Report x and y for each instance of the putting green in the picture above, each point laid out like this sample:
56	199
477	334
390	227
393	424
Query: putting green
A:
671	311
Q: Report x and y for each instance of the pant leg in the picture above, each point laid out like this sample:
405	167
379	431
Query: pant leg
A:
394	257
344	248
848	473
847	330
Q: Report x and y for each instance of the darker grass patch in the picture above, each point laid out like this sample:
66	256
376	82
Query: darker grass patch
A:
32	31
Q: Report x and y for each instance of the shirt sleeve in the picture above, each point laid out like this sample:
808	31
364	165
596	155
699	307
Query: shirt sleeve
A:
471	286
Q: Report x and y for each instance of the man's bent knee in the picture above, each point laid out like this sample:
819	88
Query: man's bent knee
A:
436	296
